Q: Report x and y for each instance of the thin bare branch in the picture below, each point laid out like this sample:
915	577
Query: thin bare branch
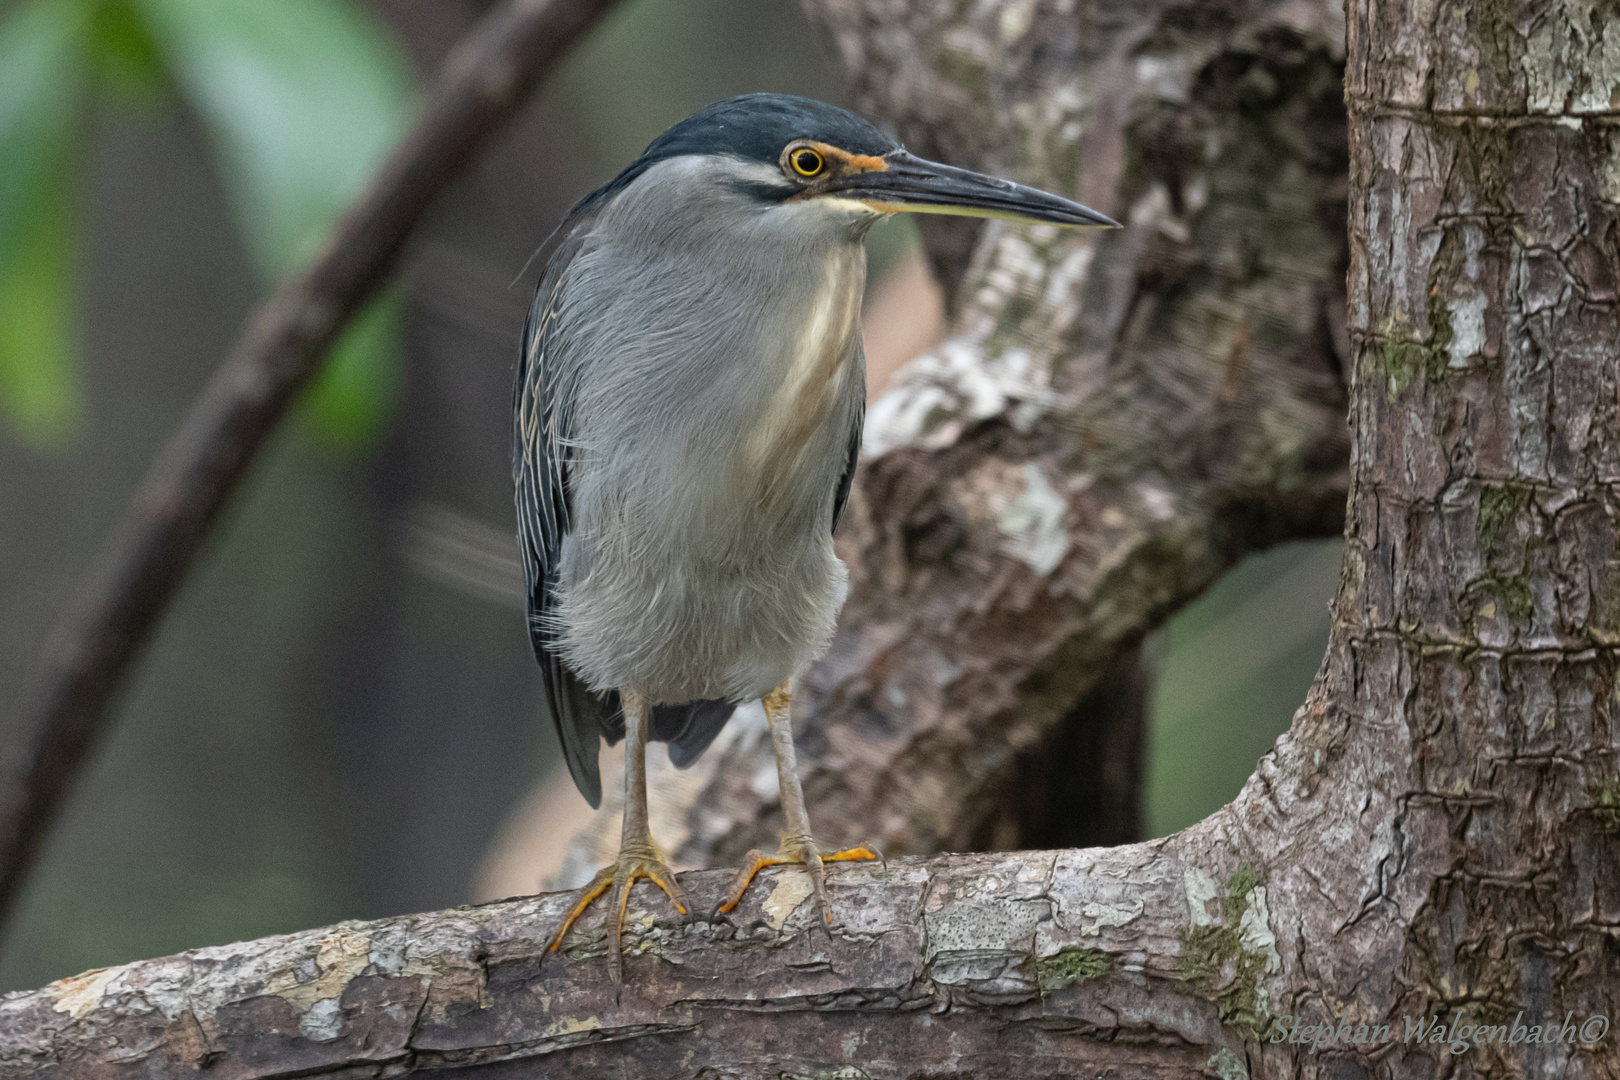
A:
483	82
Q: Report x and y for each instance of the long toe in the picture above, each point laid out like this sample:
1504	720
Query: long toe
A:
818	884
623	878
802	852
587	896
617	880
664	878
753	863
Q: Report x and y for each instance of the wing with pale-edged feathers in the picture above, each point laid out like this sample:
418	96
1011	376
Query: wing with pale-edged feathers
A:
541	445
540	449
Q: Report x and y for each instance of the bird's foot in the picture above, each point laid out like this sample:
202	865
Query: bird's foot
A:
803	851
635	861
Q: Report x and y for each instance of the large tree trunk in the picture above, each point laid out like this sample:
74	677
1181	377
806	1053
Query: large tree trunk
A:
1116	419
1437	835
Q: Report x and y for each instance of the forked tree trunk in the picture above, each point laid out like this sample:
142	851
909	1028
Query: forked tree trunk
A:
1438	833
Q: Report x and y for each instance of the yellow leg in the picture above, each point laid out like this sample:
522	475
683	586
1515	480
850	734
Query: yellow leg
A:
797	845
637	856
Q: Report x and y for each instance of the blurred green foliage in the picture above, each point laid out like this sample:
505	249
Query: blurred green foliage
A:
41	81
1234	666
302	100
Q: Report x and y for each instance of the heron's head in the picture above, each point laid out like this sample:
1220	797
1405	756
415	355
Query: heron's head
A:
784	151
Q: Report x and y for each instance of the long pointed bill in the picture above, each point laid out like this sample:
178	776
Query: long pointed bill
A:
910	184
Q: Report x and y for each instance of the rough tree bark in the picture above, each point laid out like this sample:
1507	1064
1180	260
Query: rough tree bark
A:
1438	833
1115	420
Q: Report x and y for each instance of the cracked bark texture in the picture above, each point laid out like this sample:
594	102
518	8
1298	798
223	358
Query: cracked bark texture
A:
1116	418
1438	833
933	971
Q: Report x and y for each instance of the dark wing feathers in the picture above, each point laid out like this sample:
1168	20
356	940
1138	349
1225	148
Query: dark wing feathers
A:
540	473
689	728
852	455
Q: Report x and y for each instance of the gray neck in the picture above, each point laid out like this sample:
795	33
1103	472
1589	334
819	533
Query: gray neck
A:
723	338
686	205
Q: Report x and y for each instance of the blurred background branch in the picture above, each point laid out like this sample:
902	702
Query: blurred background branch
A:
302	102
273	81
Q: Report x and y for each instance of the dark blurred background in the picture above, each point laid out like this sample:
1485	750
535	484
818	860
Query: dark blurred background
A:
341	709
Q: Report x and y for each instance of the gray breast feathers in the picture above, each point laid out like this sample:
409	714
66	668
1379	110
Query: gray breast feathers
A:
683	444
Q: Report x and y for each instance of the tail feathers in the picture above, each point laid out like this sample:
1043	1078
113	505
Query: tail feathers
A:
582	718
689	728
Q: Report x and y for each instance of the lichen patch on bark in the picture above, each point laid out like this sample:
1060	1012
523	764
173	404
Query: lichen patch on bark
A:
79	994
1230	948
341	956
1033	523
791	890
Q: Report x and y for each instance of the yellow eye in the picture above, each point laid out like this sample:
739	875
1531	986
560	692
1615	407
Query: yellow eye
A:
806	162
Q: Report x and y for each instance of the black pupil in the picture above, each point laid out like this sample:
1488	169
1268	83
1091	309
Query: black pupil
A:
807	161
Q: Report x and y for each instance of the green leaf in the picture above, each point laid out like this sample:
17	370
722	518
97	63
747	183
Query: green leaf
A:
39	372
354	394
41	88
41	82
124	56
303	99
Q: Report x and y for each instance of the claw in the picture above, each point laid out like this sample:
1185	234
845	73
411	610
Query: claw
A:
621	877
803	852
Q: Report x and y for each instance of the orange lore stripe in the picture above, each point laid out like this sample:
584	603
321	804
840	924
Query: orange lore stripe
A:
852	162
